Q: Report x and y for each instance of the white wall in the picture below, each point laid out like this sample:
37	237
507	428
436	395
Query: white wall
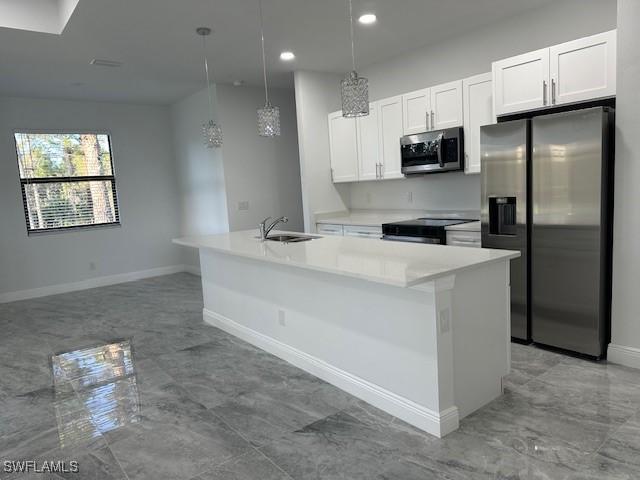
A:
448	60
317	95
625	326
263	171
247	167
143	162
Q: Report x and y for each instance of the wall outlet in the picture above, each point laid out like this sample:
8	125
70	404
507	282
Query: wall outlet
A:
281	318
243	206
445	320
409	197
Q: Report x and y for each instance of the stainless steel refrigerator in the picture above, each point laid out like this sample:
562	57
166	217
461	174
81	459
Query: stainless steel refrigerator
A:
547	192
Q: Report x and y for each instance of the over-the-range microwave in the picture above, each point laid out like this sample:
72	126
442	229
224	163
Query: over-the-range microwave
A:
433	152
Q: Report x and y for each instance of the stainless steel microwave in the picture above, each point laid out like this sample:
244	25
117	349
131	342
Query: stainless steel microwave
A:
433	152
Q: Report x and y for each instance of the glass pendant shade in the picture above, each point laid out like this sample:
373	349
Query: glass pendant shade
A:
212	134
355	96
269	121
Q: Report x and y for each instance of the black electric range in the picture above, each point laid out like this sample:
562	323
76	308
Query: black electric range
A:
420	230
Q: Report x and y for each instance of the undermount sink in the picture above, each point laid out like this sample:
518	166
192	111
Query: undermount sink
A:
290	238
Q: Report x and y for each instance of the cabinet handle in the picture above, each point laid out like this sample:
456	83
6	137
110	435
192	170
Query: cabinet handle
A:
544	92
428	125
433	123
332	174
377	174
381	170
553	91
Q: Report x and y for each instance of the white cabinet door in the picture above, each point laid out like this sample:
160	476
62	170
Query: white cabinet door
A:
328	229
416	107
477	92
583	69
343	148
390	127
369	145
522	82
362	231
446	105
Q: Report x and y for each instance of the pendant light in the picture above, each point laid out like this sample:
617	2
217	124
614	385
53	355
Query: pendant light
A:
354	89
268	116
211	130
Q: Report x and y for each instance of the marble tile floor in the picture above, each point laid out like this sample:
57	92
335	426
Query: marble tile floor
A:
127	381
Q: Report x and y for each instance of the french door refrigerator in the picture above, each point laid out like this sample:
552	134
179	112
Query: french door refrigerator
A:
547	191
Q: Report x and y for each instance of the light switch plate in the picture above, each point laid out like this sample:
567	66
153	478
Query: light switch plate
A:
243	205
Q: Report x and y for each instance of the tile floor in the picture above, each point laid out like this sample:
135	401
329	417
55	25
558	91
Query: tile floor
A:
127	381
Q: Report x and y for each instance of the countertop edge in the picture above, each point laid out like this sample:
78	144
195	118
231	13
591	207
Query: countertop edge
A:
507	257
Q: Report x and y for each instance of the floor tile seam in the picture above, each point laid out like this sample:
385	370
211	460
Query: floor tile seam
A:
218	465
614	432
273	462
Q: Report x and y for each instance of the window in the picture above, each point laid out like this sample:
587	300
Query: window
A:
67	180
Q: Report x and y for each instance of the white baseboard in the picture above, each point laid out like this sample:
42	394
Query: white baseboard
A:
93	283
435	423
622	355
192	269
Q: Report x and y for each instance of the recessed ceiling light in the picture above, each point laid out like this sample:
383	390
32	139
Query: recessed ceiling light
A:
367	18
287	56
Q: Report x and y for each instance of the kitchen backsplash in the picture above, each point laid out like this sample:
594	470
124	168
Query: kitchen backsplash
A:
444	191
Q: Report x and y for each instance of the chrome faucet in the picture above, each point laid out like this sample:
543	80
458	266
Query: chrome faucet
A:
265	229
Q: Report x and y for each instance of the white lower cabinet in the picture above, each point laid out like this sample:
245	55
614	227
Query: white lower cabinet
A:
329	229
478	111
464	239
362	231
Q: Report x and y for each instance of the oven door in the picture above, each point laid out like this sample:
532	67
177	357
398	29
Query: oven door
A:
402	238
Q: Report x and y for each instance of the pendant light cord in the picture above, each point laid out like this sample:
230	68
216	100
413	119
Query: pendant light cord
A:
206	72
264	61
353	49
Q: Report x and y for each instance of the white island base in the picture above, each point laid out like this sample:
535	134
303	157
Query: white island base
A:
426	343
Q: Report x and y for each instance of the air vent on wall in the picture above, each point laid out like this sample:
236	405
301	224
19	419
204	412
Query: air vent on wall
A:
105	63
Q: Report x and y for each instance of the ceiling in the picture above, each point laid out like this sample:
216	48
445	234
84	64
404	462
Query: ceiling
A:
162	55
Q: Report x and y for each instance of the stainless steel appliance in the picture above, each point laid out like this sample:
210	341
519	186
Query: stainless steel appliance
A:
420	230
433	152
547	191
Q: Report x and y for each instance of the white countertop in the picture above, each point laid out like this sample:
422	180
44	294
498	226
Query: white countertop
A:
375	218
465	227
392	263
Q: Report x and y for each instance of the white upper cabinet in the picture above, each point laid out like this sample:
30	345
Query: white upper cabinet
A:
446	106
576	71
583	69
522	82
390	127
369	145
416	107
477	92
343	148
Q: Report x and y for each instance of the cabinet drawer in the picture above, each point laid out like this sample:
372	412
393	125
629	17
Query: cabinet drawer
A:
363	231
464	239
328	229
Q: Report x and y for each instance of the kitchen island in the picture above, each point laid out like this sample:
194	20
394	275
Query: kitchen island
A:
419	331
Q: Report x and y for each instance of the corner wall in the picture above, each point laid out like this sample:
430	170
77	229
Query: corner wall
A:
262	171
625	323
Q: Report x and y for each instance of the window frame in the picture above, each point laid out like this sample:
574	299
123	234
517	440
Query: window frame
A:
45	180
